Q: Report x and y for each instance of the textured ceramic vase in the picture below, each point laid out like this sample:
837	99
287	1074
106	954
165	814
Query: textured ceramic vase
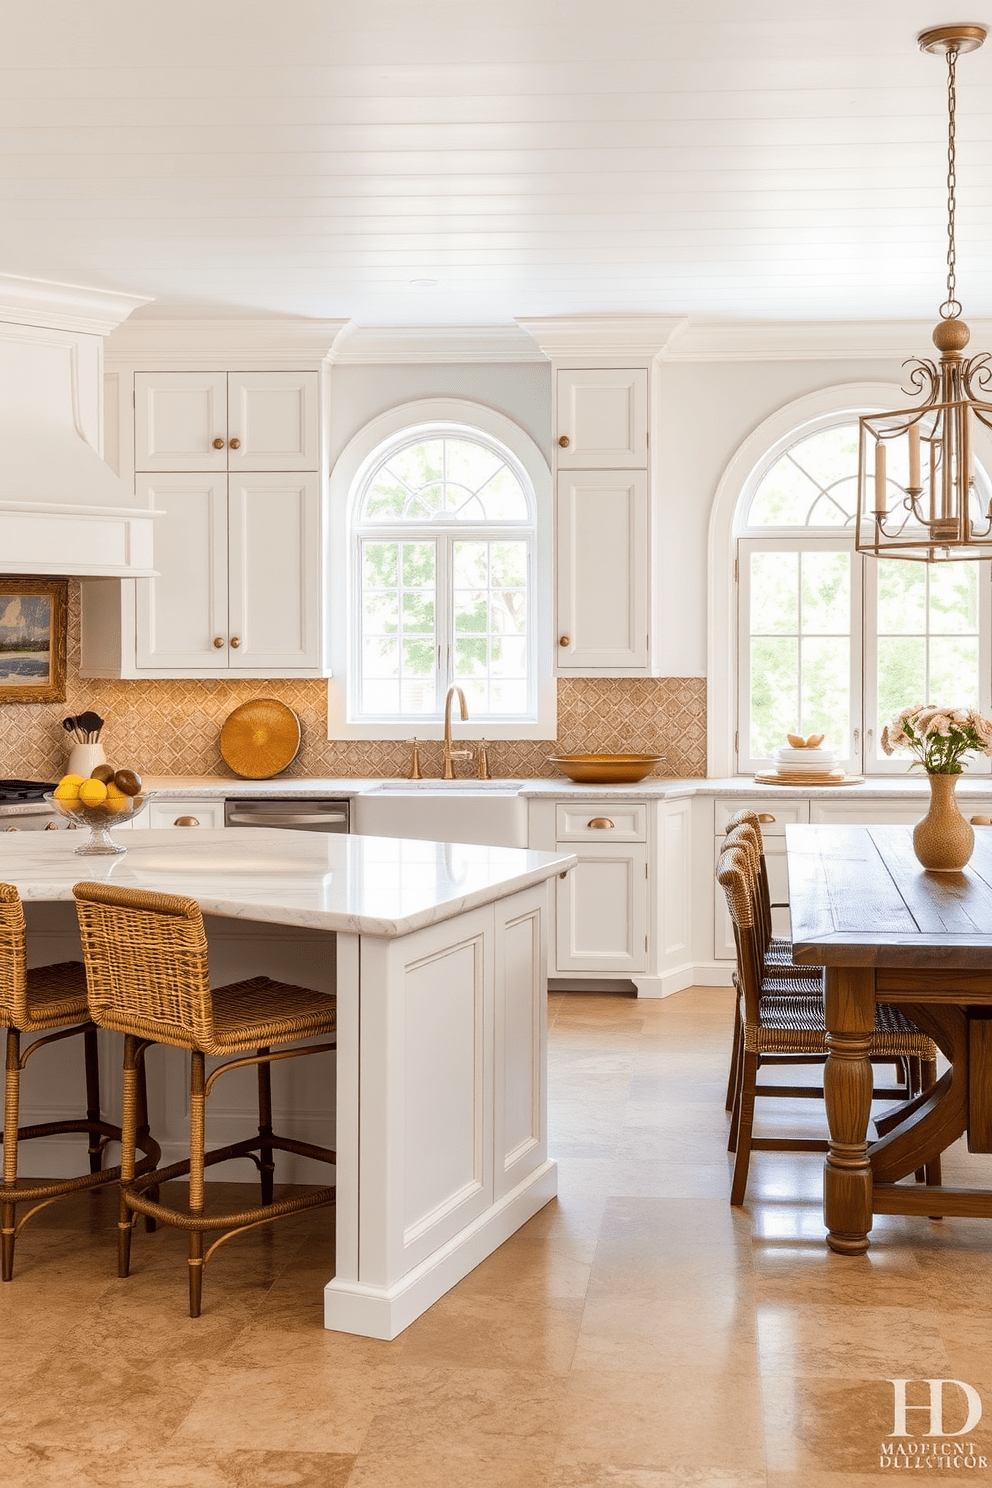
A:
943	841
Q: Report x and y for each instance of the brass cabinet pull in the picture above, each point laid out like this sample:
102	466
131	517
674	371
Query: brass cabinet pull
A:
218	642
235	443
561	875
564	441
186	821
981	821
601	821
564	640
51	826
235	643
765	816
218	444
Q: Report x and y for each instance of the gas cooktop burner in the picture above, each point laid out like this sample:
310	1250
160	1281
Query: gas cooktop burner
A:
23	790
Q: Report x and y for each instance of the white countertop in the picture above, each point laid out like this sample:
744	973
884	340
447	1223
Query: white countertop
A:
890	787
361	885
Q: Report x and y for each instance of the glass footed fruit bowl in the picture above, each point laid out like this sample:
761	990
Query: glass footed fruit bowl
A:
99	818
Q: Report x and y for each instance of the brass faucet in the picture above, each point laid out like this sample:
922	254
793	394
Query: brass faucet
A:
449	753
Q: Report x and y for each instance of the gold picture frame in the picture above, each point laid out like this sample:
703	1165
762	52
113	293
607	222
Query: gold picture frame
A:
33	640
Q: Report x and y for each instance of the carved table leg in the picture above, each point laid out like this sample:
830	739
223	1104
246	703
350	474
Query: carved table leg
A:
847	1086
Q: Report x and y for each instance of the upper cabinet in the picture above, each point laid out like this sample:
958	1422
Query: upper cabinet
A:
602	418
216	421
230	460
603	521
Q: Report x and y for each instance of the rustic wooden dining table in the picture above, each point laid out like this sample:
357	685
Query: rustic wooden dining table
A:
884	928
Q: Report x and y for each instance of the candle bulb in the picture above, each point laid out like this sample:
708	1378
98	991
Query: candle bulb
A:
914	458
880	506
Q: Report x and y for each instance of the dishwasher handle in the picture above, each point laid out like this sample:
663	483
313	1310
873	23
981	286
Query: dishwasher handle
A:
296	819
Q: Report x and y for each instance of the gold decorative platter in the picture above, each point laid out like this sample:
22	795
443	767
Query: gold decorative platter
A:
605	769
836	777
260	738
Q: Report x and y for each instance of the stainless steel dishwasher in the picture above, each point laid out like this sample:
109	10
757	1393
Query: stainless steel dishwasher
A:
294	816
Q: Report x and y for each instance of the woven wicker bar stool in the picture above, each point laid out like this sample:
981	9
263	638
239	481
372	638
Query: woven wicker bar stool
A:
49	1001
793	1027
147	968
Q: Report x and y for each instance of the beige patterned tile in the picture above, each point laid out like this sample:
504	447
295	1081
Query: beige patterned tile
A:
172	727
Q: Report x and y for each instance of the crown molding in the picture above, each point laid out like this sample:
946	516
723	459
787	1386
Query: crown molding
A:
368	345
774	341
164	344
641	336
64	307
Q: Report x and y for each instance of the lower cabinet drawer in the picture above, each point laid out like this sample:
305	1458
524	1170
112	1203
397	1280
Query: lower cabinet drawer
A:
182	814
602	821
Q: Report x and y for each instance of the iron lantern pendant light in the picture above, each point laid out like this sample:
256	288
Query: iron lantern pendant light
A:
917	496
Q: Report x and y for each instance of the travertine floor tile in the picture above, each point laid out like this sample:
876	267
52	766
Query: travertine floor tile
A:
836	1341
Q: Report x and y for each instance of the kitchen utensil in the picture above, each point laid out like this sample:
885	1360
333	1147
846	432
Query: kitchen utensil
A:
260	738
605	769
91	723
99	819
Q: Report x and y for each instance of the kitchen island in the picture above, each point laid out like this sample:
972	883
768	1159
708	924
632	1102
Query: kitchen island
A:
437	954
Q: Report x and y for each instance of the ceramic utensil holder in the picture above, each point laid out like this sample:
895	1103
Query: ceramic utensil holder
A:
83	759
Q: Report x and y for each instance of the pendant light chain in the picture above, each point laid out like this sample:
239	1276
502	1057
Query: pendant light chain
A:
951	308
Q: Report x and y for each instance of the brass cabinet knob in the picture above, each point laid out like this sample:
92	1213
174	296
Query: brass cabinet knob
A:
564	640
218	444
601	822
51	826
186	821
564	441
235	642
235	443
218	642
563	875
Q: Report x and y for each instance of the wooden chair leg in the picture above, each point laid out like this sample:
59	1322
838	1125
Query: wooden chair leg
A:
735	1052
92	1062
266	1165
197	1140
142	1128
11	1121
129	1134
749	1076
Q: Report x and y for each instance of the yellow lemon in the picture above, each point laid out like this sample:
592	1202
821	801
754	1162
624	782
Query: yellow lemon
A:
92	792
68	789
75	780
117	800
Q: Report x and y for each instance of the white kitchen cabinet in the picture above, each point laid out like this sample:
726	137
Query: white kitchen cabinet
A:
601	418
220	421
239	575
603	572
183	815
602	521
602	907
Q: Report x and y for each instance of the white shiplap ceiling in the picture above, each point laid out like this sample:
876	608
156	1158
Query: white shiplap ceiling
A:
776	160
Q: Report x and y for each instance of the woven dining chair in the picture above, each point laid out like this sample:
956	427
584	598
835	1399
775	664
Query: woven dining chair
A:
793	1027
49	1001
147	968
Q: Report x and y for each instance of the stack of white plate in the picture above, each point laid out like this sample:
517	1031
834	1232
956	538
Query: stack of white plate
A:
807	762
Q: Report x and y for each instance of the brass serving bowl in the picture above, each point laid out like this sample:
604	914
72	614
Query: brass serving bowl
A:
605	769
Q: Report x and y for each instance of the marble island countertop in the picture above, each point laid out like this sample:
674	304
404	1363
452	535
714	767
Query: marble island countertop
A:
382	886
891	787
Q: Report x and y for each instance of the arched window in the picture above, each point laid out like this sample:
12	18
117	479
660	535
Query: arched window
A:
829	641
442	540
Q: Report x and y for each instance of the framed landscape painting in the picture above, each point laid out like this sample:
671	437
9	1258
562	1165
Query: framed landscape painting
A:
32	640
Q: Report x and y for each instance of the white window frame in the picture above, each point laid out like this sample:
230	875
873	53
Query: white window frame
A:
727	527
457	418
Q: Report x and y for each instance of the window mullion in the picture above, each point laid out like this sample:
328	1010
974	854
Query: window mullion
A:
443	621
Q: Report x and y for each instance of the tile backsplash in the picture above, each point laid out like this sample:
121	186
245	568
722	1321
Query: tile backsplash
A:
173	727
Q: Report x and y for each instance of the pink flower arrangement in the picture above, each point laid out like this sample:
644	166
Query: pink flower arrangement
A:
938	736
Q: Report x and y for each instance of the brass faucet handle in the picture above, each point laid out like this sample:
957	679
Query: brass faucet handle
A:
415	763
482	773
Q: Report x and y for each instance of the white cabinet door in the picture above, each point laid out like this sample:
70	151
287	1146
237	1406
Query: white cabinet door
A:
226	421
602	908
181	615
603	564
180	421
274	616
273	421
602	418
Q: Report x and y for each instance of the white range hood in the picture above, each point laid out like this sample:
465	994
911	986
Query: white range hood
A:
62	509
